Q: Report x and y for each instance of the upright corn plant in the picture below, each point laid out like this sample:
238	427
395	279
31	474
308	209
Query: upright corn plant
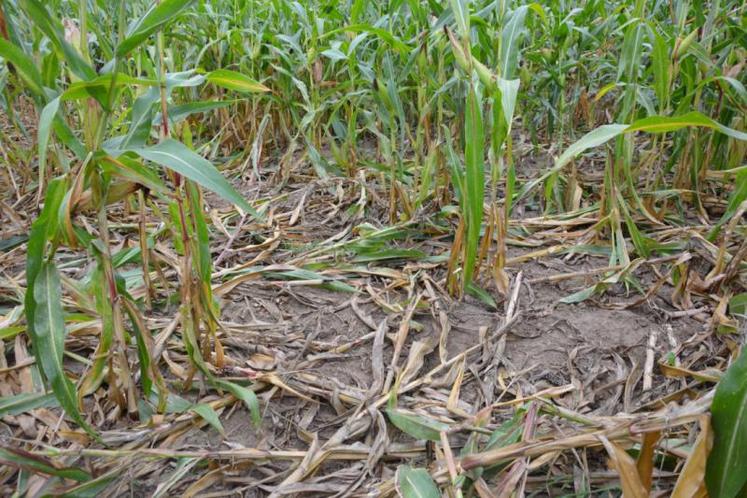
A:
112	162
499	88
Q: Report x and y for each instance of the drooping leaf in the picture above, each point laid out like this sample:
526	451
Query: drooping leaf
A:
209	415
48	338
24	66
592	139
98	87
651	124
738	304
93	488
179	112
245	395
179	158
662	124
385	35
153	20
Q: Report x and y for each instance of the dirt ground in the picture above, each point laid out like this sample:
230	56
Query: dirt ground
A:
588	358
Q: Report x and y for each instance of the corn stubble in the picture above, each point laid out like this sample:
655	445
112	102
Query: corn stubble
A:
129	125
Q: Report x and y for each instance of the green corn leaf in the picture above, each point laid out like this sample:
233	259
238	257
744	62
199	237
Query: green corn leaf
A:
67	137
46	120
180	112
481	294
726	470
245	395
510	42
661	124
48	338
509	93
460	8
416	426
12	242
98	87
581	295
738	304
236	81
99	290
209	415
153	20
42	231
652	124
660	62
416	483
24	460
474	137
179	158
183	467
328	283
383	34
132	170
24	66
592	139
141	120
22	403
94	487
201	239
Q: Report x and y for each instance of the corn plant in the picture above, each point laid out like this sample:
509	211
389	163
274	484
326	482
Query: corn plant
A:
115	163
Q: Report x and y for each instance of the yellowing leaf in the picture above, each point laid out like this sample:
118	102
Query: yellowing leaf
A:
691	482
236	81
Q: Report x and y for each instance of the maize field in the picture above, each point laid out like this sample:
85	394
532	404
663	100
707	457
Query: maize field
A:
414	248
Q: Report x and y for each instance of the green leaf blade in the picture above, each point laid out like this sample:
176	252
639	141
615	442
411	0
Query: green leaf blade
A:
726	470
180	159
416	483
153	20
415	425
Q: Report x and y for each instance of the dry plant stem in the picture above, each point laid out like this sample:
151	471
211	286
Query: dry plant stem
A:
144	250
123	374
665	419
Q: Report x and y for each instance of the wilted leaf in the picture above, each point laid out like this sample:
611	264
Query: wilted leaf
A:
626	468
691	482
